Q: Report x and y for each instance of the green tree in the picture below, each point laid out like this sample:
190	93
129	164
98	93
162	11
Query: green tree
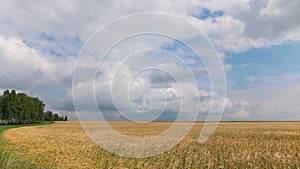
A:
17	108
48	116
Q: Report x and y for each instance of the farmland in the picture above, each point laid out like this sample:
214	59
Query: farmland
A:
233	145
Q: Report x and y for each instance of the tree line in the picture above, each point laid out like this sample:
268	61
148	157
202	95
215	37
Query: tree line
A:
19	108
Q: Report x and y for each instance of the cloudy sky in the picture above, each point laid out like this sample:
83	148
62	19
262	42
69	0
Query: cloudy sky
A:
45	46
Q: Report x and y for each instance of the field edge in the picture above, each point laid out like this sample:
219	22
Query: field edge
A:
11	158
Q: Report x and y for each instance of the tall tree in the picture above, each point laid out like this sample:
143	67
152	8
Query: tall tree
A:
17	108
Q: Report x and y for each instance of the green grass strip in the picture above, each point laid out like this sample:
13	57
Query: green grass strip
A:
9	157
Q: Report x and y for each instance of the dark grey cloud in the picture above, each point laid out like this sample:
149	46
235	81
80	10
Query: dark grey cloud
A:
159	79
273	19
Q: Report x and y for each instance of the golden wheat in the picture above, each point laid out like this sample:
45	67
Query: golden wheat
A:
233	145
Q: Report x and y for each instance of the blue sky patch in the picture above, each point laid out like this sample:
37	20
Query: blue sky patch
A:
206	13
272	61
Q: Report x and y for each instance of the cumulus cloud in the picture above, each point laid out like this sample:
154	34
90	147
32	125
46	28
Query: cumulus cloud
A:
25	68
251	24
39	40
270	100
153	93
280	20
241	113
236	30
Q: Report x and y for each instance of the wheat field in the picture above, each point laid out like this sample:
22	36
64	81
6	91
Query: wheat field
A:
233	145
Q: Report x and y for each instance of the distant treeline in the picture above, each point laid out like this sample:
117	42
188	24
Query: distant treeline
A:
18	108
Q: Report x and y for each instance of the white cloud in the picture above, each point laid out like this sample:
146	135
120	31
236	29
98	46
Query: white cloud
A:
245	24
28	64
26	69
242	113
251	24
134	93
243	65
270	101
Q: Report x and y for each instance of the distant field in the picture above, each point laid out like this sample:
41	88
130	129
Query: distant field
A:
233	145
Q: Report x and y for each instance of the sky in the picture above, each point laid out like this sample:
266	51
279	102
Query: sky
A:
55	50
